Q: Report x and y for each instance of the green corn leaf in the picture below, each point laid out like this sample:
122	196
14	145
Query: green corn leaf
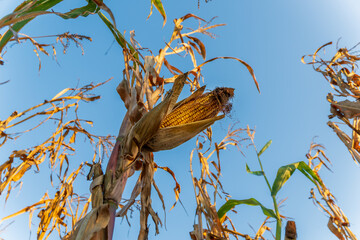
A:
265	147
82	11
159	6
39	6
285	172
27	11
256	173
118	36
251	202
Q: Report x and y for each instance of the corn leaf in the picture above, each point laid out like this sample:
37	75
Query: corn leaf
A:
24	14
249	68
84	11
256	173
251	202
285	172
118	36
265	147
40	5
159	6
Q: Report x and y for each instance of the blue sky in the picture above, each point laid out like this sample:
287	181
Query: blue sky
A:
271	36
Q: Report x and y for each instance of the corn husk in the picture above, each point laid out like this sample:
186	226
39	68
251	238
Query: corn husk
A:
93	223
171	137
149	124
189	117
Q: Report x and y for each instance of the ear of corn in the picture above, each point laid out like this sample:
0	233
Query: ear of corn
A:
196	94
148	125
189	117
198	108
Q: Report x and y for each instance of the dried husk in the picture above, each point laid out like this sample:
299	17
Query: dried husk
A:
171	137
94	222
149	124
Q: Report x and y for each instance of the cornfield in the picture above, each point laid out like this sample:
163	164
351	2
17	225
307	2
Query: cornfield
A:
158	114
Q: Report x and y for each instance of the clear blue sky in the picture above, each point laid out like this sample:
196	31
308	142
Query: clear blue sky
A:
271	36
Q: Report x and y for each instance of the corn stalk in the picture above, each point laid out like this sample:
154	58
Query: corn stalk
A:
149	124
146	129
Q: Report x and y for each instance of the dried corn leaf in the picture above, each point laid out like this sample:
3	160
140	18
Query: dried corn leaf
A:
134	194
159	6
202	49
346	140
338	222
94	222
335	230
249	68
347	108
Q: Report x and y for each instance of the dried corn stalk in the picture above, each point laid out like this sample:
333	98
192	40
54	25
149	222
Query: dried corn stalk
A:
58	150
341	73
338	223
150	124
208	180
146	128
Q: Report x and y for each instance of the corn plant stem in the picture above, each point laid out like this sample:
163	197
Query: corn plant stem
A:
111	222
278	220
111	167
122	179
262	170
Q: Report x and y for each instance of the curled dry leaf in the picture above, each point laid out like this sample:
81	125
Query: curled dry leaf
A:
346	140
340	72
201	50
56	147
249	68
334	229
207	182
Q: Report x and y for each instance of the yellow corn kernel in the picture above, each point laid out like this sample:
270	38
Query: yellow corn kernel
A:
205	106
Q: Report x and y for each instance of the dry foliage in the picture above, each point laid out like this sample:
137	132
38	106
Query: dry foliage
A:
146	128
64	39
341	73
141	133
58	149
208	187
338	222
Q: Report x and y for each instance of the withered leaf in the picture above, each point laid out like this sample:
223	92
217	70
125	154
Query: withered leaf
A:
347	108
201	46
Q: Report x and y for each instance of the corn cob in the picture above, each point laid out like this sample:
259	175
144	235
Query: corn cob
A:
202	107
